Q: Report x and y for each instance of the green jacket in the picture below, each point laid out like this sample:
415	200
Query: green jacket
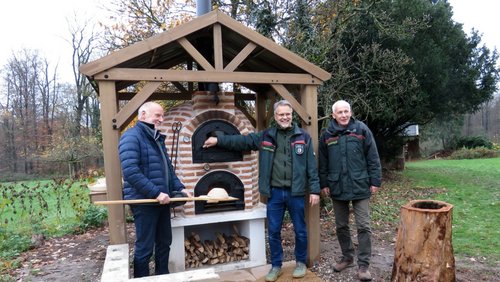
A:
304	166
348	161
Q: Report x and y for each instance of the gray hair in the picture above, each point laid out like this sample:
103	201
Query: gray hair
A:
282	103
145	107
341	103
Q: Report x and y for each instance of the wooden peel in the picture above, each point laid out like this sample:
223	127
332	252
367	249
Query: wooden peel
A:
180	199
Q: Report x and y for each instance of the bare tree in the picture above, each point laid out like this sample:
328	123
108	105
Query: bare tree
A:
28	113
83	40
49	94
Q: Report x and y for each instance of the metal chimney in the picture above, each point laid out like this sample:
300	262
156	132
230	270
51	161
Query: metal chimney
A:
202	7
205	45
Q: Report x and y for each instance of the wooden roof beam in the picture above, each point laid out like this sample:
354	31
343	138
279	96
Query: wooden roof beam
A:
131	74
242	55
197	56
151	43
218	60
126	114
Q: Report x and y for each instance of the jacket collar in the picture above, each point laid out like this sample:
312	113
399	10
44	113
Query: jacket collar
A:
335	129
273	131
149	128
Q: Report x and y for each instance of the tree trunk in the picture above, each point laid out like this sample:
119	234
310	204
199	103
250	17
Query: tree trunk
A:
424	251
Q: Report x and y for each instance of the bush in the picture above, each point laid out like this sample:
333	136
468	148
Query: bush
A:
475	153
471	142
93	217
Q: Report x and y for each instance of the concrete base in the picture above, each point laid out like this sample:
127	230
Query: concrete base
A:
250	224
116	269
199	275
116	264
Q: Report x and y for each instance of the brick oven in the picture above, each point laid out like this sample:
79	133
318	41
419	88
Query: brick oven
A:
187	126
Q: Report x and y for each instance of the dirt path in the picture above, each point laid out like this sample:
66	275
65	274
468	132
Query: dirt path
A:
81	257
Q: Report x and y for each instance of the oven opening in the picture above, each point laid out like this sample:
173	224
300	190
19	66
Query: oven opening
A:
214	154
219	179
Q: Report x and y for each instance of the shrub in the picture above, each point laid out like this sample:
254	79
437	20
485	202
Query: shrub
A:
93	217
475	153
471	142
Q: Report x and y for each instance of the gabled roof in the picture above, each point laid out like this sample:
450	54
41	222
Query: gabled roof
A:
243	51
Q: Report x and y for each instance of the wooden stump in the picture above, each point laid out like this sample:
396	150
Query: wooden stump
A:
424	251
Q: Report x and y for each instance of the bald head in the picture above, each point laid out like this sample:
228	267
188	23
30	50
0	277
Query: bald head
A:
151	112
341	112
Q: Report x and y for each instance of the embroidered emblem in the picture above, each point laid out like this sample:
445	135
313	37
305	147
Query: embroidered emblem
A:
299	149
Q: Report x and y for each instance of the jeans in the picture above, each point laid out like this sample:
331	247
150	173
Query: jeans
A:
280	200
362	218
153	232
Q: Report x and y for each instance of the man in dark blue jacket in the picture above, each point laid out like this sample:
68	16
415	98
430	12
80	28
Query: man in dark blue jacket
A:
287	167
350	171
148	174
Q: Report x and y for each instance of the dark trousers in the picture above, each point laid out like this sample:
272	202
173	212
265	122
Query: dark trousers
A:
362	218
153	233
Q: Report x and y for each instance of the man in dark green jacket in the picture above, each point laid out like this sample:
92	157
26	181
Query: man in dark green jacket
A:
350	171
287	172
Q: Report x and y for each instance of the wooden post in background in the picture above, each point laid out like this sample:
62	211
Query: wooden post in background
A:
424	250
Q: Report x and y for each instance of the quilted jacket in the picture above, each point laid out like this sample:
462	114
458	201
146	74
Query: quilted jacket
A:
146	167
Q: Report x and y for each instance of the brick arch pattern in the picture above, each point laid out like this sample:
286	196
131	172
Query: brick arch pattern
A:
191	115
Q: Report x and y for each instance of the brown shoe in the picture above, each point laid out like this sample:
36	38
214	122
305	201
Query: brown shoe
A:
364	274
343	264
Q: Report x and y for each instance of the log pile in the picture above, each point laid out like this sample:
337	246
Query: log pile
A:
223	249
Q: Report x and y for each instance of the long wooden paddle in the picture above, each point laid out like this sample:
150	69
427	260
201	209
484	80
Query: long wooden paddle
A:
180	199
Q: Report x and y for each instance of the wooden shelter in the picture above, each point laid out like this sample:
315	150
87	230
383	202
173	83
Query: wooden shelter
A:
170	65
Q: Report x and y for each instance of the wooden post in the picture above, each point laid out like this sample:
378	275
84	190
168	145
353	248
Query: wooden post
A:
110	139
309	99
424	250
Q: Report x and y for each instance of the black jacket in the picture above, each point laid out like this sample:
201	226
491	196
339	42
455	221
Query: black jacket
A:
348	161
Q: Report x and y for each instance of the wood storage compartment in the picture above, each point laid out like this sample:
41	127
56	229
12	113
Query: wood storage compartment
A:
424	250
223	249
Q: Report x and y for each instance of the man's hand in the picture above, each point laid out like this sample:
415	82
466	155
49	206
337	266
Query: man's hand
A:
313	199
374	189
163	198
325	191
210	142
187	193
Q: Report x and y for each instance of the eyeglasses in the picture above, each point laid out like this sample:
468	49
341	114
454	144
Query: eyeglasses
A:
284	115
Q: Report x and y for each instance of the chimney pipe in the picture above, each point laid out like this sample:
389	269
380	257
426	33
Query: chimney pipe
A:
203	7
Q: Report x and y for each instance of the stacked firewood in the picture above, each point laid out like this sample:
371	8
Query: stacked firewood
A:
223	249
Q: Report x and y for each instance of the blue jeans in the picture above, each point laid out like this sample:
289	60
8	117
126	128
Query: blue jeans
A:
153	232
280	200
362	218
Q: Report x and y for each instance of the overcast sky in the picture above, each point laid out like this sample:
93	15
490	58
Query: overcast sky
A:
42	25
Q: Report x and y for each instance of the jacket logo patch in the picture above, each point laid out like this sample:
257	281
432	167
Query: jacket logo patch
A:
268	146
299	149
332	141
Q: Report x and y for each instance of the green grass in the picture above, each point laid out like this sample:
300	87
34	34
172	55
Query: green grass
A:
49	207
473	188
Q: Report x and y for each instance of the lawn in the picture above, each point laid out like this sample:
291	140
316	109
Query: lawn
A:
49	208
472	187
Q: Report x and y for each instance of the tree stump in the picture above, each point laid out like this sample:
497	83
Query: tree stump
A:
424	251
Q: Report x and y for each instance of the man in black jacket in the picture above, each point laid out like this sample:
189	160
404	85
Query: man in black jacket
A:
350	172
